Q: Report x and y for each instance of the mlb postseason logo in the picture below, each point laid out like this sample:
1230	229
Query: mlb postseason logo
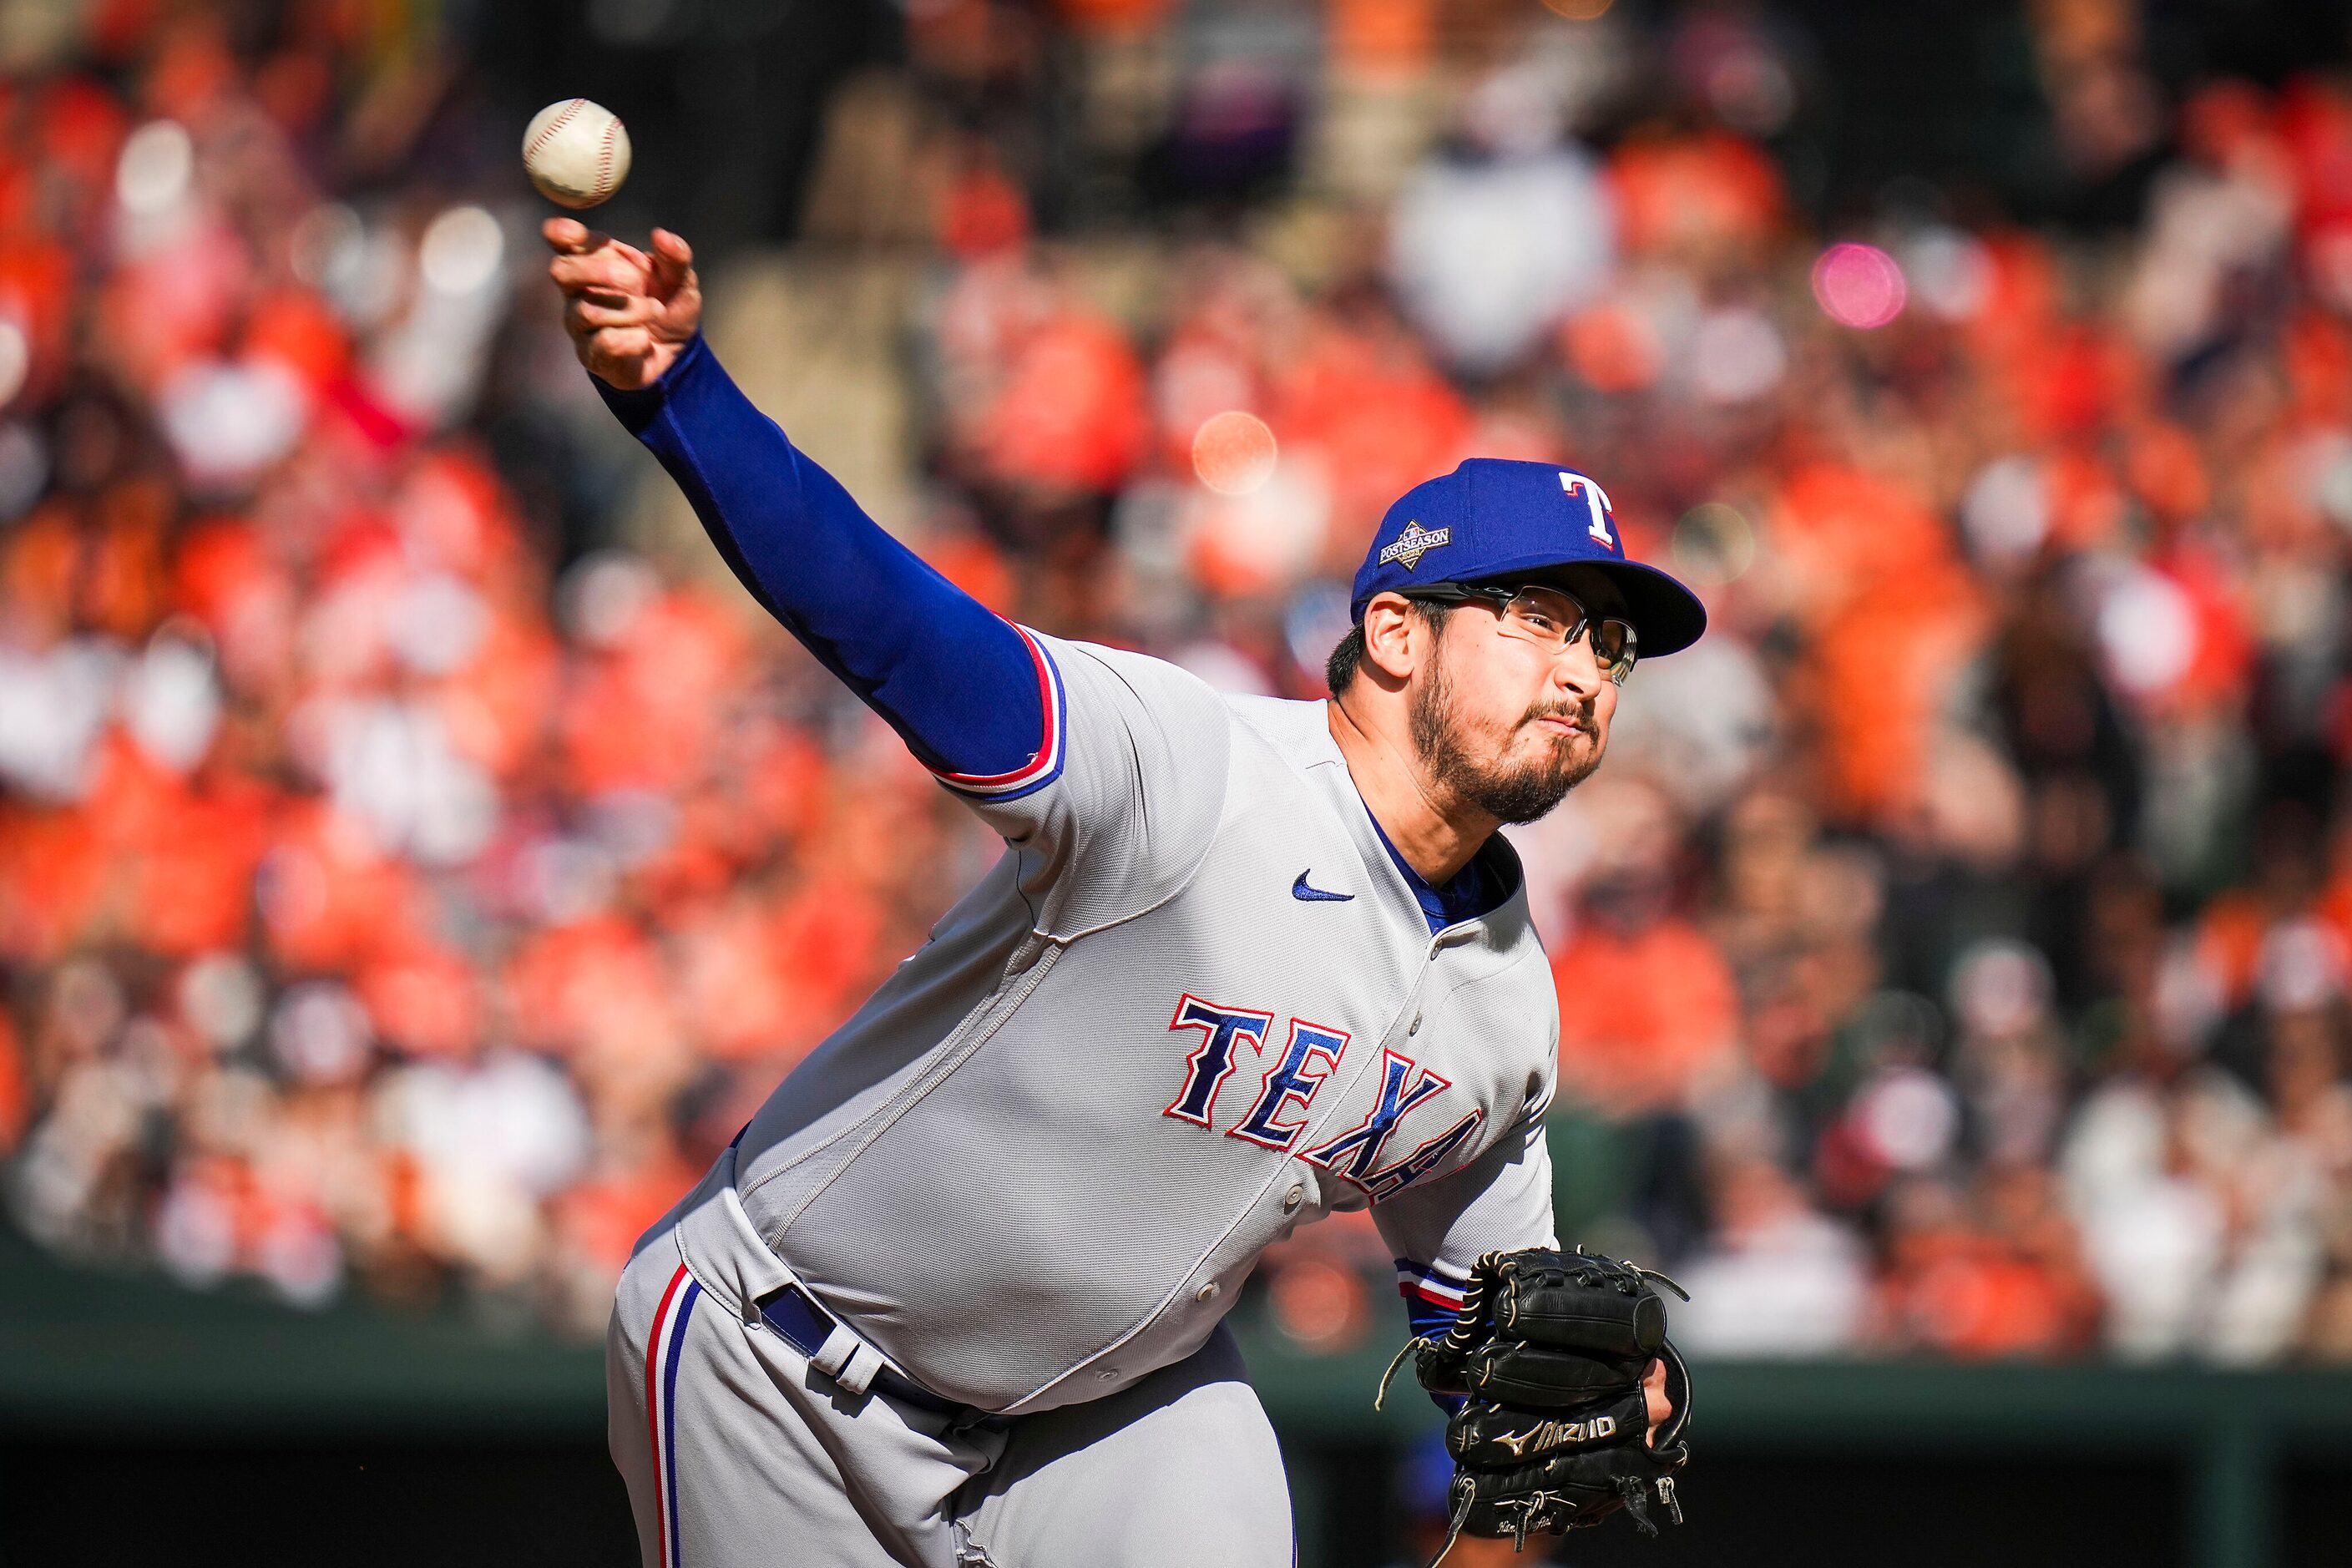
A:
1414	543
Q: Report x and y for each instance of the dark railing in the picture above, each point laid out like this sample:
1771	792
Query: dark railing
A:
91	1353
2233	1431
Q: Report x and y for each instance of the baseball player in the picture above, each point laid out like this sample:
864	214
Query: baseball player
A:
954	1297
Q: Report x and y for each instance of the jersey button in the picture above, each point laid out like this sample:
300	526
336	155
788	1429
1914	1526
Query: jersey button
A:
1207	1292
1107	1375
1290	1199
1414	1027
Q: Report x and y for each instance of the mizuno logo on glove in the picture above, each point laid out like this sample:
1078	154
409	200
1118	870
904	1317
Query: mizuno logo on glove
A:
1551	1434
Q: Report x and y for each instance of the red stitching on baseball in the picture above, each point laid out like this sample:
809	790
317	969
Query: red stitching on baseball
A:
547	132
604	160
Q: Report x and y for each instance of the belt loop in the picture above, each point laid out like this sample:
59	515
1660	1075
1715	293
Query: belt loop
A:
849	1361
833	1356
857	1374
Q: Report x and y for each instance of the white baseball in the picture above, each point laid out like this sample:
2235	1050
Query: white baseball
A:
576	153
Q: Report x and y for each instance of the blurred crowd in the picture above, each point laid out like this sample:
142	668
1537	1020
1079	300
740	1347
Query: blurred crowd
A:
414	861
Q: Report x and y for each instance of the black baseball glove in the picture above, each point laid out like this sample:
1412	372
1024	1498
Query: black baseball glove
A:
1548	1354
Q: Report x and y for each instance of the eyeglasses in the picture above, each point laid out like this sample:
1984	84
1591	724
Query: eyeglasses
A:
1548	617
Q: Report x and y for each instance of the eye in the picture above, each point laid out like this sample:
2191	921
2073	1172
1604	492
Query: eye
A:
1538	619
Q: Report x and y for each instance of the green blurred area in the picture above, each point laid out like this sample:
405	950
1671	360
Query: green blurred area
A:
99	1358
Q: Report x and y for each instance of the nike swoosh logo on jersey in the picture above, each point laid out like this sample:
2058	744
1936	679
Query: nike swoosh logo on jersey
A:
1299	889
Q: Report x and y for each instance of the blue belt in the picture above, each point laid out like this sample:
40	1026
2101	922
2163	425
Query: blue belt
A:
794	1313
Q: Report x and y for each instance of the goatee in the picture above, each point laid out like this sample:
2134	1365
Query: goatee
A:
1514	795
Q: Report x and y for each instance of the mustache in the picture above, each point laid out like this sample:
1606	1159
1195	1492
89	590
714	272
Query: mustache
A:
1580	712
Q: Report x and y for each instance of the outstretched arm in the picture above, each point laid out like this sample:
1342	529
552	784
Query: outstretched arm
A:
966	690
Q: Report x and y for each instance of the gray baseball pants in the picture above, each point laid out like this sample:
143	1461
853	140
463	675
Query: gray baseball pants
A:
737	1450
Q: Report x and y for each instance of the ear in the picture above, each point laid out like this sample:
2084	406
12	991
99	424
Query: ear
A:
1396	640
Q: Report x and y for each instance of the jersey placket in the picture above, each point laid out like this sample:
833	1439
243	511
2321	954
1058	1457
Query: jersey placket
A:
1402	1034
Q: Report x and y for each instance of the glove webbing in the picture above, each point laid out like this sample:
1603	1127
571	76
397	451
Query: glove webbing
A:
1530	1512
1630	1491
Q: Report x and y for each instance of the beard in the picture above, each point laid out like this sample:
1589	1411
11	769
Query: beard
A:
1507	791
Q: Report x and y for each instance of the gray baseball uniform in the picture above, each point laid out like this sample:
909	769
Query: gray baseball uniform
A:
954	1295
1194	1005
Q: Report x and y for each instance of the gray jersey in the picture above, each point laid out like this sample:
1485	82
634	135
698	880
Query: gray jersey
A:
1195	1005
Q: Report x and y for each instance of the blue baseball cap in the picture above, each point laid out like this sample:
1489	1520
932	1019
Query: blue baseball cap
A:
1494	520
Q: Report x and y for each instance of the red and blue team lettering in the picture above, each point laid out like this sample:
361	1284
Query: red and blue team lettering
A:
1293	1077
1291	1080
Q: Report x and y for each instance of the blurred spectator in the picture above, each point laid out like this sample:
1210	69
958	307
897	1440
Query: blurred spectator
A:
1776	1277
1502	235
1648	1014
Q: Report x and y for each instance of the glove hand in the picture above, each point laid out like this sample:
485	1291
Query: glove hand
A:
1657	1404
1575	1403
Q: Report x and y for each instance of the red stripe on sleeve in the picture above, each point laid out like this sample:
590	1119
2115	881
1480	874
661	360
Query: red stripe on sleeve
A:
653	1415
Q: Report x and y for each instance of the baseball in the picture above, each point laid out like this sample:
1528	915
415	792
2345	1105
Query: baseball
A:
576	153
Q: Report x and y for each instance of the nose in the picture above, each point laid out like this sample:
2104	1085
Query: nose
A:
1577	667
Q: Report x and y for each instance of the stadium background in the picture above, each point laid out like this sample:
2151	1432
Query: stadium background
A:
416	856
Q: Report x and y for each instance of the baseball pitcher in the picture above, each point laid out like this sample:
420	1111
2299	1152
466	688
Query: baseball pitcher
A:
954	1297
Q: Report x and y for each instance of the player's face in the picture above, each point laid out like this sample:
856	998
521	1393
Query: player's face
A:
1504	725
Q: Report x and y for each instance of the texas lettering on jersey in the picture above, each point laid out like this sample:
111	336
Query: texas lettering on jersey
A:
1293	1074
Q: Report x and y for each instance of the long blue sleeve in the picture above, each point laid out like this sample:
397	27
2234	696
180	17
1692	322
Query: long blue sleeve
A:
965	688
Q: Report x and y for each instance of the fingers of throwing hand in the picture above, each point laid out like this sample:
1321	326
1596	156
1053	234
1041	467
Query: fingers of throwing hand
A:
672	262
569	237
565	235
625	310
602	271
584	314
617	353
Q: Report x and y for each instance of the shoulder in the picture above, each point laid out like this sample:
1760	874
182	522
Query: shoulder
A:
1299	730
1104	693
1296	730
1098	664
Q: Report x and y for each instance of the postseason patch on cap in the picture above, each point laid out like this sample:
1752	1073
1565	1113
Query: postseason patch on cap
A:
1414	543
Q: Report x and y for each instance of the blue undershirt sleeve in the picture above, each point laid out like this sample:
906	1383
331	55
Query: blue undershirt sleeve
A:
1429	1319
966	689
1429	1322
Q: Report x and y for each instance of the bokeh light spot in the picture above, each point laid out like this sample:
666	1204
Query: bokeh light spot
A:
1233	453
1859	285
1320	1305
1713	545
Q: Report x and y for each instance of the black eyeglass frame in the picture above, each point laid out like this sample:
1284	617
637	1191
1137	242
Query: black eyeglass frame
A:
1501	594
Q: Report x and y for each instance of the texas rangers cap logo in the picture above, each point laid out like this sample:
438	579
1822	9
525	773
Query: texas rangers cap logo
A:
1414	543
